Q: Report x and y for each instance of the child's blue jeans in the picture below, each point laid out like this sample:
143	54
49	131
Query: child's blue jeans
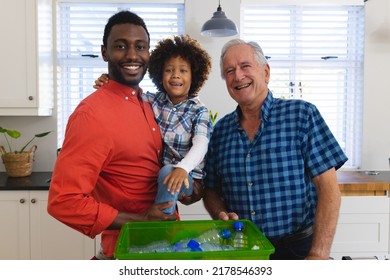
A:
163	195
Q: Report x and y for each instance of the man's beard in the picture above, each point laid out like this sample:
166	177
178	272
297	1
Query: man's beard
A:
117	76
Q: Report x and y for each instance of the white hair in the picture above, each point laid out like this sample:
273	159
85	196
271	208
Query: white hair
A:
258	52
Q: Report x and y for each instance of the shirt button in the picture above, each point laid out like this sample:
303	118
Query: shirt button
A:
133	92
253	213
248	155
174	109
250	184
126	97
153	129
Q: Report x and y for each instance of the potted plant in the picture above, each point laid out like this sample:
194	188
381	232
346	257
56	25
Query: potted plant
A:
18	163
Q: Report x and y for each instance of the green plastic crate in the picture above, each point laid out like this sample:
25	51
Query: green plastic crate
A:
143	233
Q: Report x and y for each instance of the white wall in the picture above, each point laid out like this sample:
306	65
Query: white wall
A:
376	125
214	93
376	129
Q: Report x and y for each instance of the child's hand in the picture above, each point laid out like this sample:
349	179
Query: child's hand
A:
175	180
103	79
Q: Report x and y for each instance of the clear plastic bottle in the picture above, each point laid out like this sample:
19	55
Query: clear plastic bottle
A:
207	246
160	247
239	240
153	247
214	235
194	246
210	246
181	246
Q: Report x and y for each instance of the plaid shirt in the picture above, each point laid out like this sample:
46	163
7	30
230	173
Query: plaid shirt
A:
268	180
178	124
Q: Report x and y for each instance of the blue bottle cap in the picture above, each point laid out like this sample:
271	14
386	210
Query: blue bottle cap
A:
194	246
238	225
225	234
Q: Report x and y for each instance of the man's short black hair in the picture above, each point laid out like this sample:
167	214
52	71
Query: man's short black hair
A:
120	18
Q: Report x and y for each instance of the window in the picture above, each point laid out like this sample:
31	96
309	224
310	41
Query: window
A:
315	53
80	29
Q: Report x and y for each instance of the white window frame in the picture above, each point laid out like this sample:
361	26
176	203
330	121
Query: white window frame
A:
79	40
324	67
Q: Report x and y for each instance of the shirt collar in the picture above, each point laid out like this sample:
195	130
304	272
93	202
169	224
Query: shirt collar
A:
265	108
123	90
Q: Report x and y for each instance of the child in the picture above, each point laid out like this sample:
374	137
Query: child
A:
179	67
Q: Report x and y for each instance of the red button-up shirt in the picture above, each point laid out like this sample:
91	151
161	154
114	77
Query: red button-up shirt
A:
109	162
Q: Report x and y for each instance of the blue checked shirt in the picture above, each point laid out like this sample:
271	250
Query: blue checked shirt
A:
178	124
268	180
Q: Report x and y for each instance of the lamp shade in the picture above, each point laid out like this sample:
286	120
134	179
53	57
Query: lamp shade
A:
219	25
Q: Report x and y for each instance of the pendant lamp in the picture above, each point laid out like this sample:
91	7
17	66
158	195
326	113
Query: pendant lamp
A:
219	25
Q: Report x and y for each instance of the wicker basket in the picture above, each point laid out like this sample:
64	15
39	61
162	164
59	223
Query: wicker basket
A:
18	164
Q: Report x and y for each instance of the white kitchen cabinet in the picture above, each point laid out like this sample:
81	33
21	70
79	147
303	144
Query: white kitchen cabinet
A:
29	232
363	228
26	55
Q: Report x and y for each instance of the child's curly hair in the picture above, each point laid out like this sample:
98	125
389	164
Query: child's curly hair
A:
188	49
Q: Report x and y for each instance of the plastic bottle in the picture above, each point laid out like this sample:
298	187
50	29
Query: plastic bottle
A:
210	246
194	246
214	235
181	246
160	247
153	247
239	240
207	246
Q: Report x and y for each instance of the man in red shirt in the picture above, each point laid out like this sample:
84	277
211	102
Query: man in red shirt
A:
106	172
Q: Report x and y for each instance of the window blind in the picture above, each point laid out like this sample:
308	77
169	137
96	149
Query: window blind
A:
316	54
80	28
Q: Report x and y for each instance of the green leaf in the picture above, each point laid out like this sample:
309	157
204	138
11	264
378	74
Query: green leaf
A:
36	135
13	133
42	134
16	134
213	117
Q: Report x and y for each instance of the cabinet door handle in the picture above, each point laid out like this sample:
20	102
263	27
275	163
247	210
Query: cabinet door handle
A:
33	200
22	200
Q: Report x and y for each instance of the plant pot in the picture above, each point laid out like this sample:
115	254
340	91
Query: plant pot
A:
18	164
